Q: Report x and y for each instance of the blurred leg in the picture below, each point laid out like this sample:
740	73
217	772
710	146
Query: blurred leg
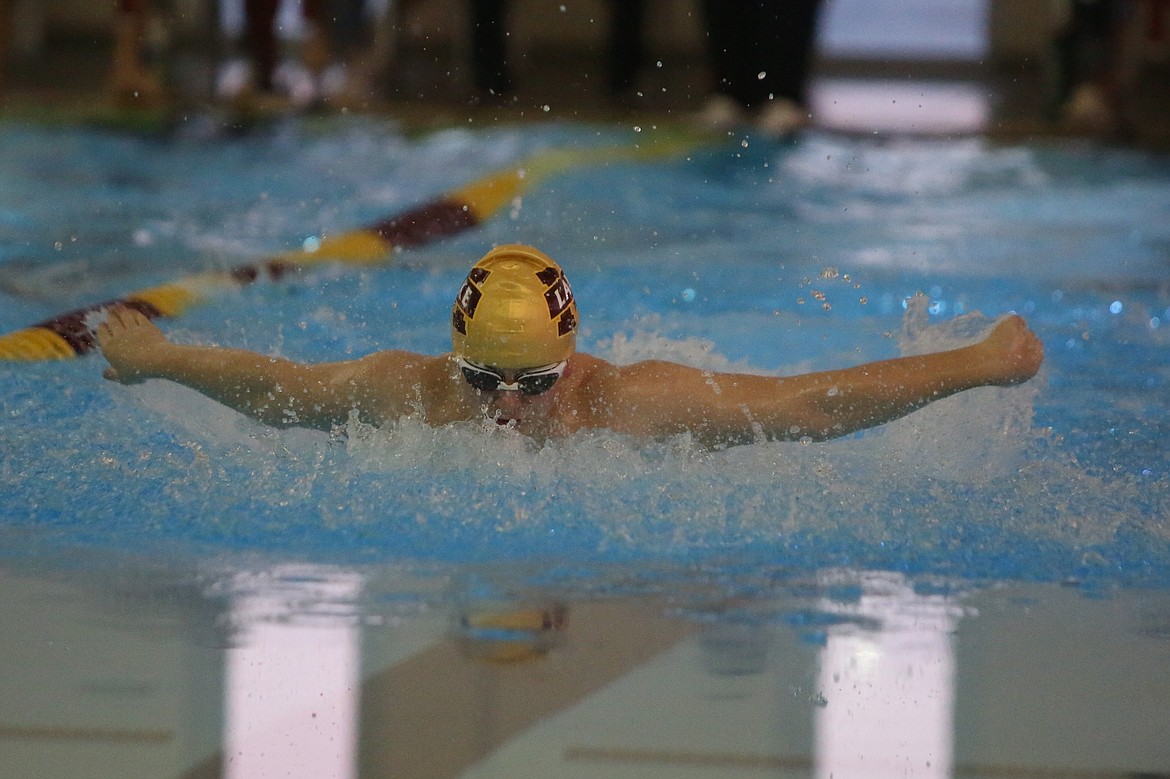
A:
626	44
725	52
260	38
786	48
489	46
130	79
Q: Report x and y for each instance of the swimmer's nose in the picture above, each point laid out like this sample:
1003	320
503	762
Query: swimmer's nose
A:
506	406
509	400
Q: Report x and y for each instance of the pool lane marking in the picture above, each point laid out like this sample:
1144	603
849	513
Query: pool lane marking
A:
71	334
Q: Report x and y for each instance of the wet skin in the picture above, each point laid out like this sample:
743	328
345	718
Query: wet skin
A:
651	398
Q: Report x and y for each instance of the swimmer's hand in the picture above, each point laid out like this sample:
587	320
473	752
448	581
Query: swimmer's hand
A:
1011	352
129	340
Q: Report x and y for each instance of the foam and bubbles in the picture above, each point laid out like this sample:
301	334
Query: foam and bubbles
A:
966	487
1062	477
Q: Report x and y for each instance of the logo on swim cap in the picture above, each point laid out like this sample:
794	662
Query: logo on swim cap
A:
515	310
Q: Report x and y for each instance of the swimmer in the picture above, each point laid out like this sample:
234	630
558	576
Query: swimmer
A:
514	361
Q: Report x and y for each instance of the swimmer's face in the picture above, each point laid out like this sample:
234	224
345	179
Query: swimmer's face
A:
513	396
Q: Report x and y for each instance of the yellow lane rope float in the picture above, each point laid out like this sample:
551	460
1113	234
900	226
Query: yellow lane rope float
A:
70	334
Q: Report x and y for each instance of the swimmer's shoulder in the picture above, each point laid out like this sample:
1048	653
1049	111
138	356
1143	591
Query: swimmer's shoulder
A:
649	372
392	381
641	398
394	368
378	366
592	373
603	381
389	359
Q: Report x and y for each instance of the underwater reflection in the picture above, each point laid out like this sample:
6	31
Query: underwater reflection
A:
296	703
292	678
323	671
503	664
887	677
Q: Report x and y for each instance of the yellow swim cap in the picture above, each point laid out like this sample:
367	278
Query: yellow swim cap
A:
515	310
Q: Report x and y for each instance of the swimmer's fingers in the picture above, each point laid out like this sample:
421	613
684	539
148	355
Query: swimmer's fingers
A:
125	338
122	321
121	318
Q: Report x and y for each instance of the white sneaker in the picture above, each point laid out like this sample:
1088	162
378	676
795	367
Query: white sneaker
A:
781	117
721	113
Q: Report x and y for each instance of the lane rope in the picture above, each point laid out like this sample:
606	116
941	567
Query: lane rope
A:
70	334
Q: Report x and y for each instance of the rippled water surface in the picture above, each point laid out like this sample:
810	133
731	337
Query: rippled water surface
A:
763	257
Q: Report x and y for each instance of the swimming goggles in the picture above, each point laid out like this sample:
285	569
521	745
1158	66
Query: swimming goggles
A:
534	382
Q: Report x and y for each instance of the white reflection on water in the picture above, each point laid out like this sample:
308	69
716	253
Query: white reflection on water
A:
889	687
886	676
292	678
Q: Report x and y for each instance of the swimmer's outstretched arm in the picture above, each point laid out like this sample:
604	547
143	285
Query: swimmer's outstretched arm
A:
275	391
661	398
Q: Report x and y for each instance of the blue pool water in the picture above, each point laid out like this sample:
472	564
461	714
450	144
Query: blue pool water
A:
758	256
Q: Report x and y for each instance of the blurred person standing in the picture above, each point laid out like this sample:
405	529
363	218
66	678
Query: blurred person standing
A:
261	70
131	80
626	50
1091	71
490	65
760	54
